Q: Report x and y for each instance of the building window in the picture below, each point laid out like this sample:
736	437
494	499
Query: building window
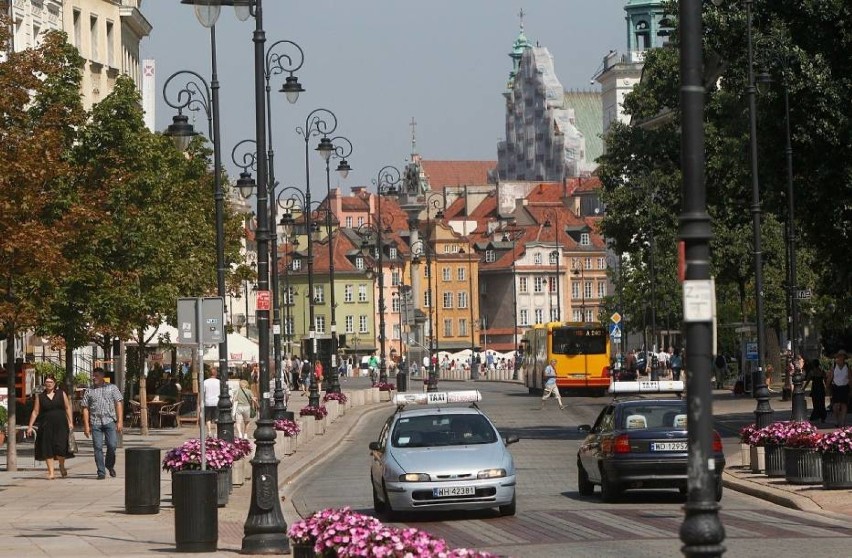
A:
587	289
553	283
392	253
523	285
460	274
319	294
319	322
395	332
554	258
426	271
362	324
362	293
448	327
554	314
575	290
349	324
537	258
395	277
539	316
95	38
601	263
584	239
588	263
578	316
348	293
524	319
462	327
462	299
490	256
359	263
349	222
538	284
446	273
110	37
360	221
395	305
602	289
78	40
289	328
448	300
590	315
297	264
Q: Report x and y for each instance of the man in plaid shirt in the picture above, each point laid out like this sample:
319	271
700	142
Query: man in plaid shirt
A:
103	410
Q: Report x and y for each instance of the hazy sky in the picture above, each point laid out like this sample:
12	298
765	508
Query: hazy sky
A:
378	63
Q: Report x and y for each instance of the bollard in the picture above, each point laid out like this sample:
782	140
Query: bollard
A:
196	511
142	480
401	382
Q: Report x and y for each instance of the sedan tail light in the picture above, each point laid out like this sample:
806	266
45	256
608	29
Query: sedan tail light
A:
622	444
717	442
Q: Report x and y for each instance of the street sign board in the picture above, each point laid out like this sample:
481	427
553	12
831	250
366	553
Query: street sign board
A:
751	351
615	330
616	318
803	294
263	300
212	316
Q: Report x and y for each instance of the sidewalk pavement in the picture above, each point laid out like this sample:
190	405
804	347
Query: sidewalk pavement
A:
84	517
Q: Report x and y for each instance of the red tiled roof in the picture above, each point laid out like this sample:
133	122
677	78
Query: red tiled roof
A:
441	174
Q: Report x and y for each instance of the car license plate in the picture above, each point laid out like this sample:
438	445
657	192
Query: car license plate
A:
450	491
668	446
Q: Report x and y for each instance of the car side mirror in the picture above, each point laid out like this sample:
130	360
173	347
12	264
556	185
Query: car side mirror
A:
584	428
374	446
513	439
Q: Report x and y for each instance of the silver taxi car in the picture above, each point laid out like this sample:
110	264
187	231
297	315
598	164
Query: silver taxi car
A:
440	452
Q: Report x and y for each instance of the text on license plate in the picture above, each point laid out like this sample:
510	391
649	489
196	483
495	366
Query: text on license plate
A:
450	491
668	446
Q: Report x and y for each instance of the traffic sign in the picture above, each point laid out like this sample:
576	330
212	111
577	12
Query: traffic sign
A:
263	301
803	294
616	318
615	330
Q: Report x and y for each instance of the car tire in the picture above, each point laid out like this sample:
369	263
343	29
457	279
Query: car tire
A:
584	486
609	490
509	509
378	505
389	514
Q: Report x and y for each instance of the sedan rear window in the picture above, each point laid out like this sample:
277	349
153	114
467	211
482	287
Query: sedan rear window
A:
442	430
649	415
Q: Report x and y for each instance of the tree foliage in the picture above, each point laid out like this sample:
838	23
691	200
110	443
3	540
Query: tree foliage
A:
804	45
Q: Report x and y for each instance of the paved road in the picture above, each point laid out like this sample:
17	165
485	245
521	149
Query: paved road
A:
553	519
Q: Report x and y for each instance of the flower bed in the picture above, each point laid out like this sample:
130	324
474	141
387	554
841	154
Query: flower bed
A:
384	386
318	413
777	433
348	534
838	441
340	397
746	433
219	454
290	428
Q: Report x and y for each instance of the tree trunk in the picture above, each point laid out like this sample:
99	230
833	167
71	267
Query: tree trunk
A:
12	439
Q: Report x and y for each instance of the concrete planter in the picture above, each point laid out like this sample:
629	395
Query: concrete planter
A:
745	458
757	458
374	395
333	408
356	398
289	445
248	469
238	474
279	444
319	425
385	395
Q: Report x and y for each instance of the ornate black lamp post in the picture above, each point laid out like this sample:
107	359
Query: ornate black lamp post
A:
196	95
292	199
512	235
338	147
556	254
702	532
577	269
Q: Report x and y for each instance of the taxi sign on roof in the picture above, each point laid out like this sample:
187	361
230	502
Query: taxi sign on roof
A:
437	397
647	387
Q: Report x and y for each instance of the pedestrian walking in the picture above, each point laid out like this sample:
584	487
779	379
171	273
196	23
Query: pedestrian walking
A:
245	408
103	409
211	388
838	383
676	362
550	387
815	376
52	409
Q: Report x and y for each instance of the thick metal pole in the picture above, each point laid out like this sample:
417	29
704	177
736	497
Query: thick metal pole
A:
702	532
514	315
763	411
383	367
313	393
470	302
265	531
225	420
332	375
279	409
432	385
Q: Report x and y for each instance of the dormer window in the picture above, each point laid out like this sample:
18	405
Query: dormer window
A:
297	264
392	253
359	263
537	258
490	256
585	240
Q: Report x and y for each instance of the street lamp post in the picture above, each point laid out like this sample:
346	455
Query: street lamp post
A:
578	270
557	253
435	200
417	248
470	303
265	529
341	148
278	60
194	95
514	235
702	532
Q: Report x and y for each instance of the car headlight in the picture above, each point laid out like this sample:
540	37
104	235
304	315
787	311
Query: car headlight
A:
491	474
414	477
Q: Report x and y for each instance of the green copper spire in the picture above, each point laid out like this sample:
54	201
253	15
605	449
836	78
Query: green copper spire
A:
520	45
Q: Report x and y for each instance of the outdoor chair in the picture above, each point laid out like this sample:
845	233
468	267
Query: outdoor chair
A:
135	413
170	411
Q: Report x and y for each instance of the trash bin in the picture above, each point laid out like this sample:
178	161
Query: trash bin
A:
474	371
196	511
401	381
142	480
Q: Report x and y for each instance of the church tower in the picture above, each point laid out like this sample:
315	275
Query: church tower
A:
648	26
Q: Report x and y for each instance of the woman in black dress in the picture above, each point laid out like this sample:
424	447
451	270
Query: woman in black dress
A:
55	424
816	377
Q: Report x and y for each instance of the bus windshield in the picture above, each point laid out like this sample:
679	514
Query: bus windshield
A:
579	341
